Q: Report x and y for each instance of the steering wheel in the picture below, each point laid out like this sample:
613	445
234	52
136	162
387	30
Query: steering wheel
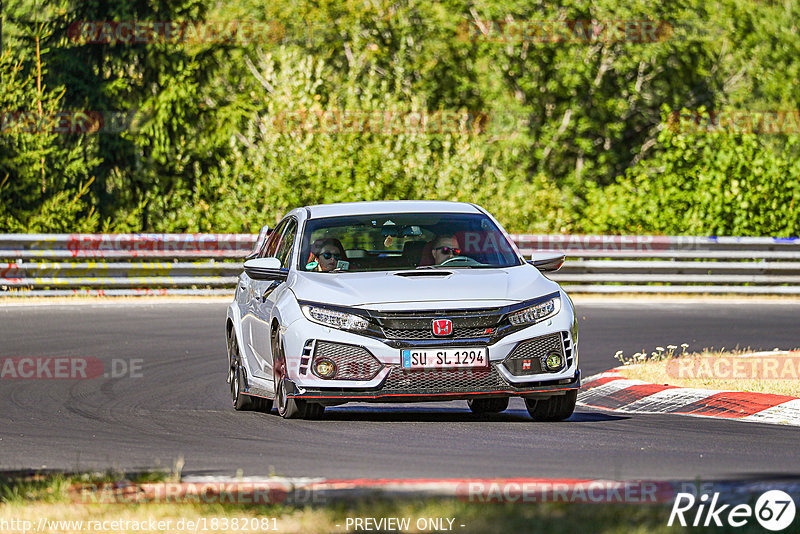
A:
468	260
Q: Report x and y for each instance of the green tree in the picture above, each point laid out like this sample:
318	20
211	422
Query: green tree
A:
44	178
291	154
706	183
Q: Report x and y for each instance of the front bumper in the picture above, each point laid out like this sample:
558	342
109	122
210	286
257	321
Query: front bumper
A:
437	385
375	372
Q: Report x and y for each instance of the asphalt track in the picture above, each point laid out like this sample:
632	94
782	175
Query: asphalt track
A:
179	407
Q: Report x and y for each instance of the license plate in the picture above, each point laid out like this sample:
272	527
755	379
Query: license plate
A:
433	358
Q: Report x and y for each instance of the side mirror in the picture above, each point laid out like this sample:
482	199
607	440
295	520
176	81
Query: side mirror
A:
262	237
265	269
547	260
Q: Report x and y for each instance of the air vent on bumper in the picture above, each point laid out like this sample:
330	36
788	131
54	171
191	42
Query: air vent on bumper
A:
350	362
528	358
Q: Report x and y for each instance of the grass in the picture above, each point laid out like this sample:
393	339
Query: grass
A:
721	370
31	498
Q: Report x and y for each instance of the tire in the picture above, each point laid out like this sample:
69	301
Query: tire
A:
240	400
552	409
493	405
313	410
287	408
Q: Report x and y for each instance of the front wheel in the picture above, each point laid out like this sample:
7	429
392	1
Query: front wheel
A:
552	409
239	399
481	406
288	408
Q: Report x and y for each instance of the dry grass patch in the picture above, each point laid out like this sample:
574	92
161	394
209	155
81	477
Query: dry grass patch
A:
776	372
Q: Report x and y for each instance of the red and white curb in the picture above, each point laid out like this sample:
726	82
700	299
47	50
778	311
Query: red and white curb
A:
612	391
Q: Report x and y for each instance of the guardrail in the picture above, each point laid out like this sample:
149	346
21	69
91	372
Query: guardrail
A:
208	264
673	264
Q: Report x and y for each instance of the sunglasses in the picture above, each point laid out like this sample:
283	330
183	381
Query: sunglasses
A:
329	255
448	250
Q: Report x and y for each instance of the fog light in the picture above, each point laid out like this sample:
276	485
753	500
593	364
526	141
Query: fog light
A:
324	368
554	361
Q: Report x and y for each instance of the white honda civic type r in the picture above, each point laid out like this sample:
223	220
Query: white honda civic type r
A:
399	301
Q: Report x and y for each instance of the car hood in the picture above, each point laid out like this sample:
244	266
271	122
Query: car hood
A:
435	287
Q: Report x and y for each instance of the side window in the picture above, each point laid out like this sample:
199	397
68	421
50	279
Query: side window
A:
287	242
271	247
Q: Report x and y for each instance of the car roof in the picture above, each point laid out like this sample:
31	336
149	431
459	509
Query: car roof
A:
389	206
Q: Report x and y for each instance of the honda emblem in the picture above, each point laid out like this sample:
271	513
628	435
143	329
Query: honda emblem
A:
442	327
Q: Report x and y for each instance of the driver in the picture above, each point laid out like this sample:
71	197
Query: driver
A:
444	247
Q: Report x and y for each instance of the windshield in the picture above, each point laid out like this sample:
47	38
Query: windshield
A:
404	241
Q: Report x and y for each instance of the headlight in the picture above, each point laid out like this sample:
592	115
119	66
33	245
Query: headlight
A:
537	313
335	319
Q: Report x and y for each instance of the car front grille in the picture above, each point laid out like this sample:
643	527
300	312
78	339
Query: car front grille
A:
527	358
418	325
443	380
352	362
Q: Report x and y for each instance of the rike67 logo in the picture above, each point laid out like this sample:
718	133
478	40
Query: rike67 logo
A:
774	510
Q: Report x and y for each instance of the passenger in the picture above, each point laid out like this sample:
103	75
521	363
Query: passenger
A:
325	254
444	247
